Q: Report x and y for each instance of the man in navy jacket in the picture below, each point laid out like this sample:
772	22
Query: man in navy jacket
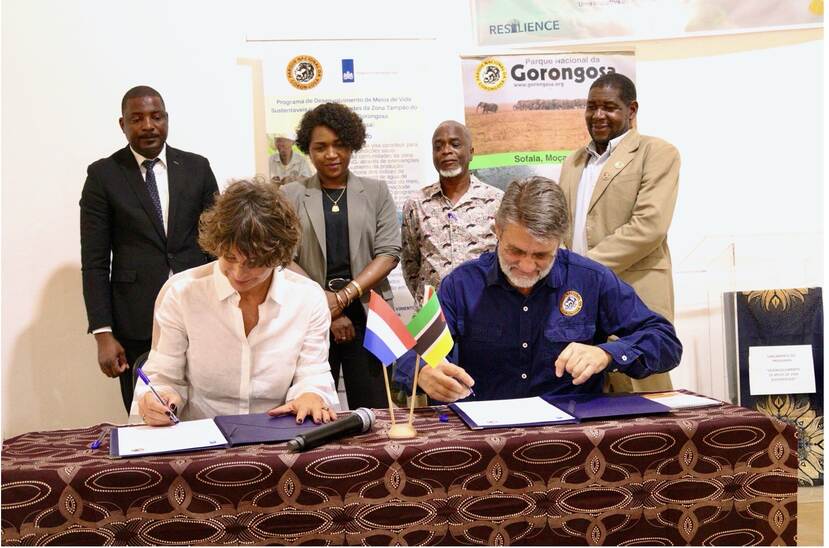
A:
531	319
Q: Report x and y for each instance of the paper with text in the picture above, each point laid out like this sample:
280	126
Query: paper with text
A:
521	411
781	370
186	435
679	400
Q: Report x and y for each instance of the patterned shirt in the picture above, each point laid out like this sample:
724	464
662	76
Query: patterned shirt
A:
438	236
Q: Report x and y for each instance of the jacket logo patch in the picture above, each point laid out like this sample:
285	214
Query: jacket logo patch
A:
571	303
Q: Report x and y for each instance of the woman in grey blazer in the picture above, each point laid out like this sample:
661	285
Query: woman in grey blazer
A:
350	242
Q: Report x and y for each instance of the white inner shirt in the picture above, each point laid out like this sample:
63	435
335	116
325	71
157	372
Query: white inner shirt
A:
161	180
587	183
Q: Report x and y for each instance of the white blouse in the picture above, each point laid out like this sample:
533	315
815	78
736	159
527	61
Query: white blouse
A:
200	349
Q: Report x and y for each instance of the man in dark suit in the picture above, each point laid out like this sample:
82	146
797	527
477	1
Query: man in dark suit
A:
140	210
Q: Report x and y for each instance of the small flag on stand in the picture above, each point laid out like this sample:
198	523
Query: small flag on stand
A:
388	339
386	334
428	327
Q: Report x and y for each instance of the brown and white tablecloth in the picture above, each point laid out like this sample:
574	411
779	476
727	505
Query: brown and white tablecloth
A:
718	476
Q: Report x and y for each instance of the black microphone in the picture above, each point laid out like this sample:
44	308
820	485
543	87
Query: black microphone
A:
358	421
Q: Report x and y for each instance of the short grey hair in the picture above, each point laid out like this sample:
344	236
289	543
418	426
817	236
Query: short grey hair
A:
537	204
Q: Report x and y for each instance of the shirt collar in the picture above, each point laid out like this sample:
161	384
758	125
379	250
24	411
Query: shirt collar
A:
495	276
276	292
591	148
475	185
162	156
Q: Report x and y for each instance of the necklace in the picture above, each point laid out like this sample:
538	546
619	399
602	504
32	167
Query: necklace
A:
334	207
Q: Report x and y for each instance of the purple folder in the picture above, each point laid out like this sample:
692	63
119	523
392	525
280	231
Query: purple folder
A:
261	428
605	406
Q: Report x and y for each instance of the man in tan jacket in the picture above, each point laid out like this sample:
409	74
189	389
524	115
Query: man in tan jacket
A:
621	191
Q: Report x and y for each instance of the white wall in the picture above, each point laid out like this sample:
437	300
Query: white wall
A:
748	124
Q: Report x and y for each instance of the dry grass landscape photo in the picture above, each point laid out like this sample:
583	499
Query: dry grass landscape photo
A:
508	130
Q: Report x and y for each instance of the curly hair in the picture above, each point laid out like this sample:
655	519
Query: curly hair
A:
254	217
339	118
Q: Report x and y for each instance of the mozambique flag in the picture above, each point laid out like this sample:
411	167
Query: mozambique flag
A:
429	329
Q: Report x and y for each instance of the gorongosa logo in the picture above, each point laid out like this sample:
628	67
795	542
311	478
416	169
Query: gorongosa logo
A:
491	74
304	72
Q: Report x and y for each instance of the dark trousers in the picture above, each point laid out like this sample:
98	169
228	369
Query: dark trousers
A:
133	349
362	372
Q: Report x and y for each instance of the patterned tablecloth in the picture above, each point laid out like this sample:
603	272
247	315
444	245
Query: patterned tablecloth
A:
724	475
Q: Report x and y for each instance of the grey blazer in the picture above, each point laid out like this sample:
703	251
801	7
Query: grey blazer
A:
373	228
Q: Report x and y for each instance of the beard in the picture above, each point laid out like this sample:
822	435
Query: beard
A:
450	173
520	280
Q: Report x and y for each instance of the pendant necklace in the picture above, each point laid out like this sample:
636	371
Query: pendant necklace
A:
334	207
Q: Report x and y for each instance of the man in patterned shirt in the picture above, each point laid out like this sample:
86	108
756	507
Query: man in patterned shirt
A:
448	222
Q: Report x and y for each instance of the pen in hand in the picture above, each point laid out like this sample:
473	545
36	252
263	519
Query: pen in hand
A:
144	378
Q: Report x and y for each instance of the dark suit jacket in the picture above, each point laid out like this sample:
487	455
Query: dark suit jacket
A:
117	218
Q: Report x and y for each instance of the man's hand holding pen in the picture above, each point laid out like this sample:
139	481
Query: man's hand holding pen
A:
446	382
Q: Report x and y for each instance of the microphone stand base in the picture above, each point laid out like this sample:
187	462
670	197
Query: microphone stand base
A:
402	431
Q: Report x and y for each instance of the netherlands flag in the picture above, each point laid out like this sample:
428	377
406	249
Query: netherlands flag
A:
386	334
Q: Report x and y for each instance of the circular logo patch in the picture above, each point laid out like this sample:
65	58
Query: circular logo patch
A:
571	303
491	74
304	72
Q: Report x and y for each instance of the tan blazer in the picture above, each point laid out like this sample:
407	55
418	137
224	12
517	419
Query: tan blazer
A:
629	214
373	228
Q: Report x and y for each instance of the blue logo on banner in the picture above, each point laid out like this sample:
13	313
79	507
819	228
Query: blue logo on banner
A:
348	70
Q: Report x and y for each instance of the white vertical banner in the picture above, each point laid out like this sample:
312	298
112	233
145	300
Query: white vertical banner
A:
382	81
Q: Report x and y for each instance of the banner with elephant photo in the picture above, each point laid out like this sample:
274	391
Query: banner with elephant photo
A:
526	112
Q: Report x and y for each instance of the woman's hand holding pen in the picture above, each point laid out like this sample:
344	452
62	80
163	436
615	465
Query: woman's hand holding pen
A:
446	382
153	412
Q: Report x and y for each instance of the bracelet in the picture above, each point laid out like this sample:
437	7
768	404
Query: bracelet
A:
339	300
357	287
349	296
346	295
355	293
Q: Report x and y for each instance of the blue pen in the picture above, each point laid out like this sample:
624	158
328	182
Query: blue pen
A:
144	378
97	443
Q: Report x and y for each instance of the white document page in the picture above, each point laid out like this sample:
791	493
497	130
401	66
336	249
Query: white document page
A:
523	411
781	370
678	400
149	440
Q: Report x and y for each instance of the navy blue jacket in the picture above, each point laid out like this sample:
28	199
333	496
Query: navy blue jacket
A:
509	343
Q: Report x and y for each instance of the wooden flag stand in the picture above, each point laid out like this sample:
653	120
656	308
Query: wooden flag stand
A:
397	431
403	431
406	430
